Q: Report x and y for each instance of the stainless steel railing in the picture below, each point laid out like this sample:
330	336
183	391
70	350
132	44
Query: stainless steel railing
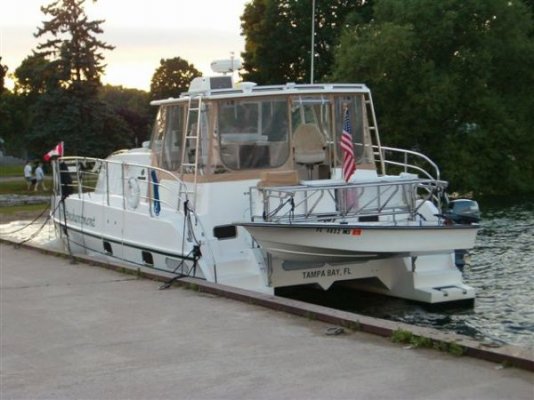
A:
93	175
408	161
338	202
85	177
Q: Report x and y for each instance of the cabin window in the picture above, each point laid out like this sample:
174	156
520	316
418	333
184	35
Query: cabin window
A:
311	110
253	134
158	131
167	136
171	153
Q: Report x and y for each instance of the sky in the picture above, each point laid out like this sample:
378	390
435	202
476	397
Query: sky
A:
142	31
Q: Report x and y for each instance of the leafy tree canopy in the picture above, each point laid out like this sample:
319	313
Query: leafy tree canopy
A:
172	77
453	78
85	124
278	37
3	73
118	97
13	123
132	106
35	75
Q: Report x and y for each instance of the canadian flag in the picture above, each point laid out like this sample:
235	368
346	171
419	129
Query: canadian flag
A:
56	151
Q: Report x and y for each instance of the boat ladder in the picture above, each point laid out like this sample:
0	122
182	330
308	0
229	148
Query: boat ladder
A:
190	148
373	128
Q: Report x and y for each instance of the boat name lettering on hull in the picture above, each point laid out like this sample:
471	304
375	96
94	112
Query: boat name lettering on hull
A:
327	272
80	219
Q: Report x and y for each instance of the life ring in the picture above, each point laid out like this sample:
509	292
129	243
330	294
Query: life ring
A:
133	192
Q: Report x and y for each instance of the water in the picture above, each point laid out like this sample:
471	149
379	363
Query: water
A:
500	269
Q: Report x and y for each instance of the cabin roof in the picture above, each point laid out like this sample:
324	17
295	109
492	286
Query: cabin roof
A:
268	90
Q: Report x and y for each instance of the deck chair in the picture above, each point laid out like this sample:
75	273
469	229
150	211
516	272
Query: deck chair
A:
309	146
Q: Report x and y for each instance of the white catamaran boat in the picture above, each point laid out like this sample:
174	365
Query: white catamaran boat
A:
243	185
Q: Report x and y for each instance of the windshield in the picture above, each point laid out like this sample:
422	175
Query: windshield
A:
301	132
253	134
167	136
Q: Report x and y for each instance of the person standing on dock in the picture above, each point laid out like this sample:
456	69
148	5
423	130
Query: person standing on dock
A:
28	174
39	176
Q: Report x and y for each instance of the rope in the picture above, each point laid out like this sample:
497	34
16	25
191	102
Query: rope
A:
29	224
195	252
17	245
289	201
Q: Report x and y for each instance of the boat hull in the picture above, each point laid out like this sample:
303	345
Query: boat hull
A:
341	243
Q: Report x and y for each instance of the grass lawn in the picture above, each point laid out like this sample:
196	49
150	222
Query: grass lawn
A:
12	182
22	212
19	187
18	170
12	170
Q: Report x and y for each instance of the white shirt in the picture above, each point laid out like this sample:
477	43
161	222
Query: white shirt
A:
27	171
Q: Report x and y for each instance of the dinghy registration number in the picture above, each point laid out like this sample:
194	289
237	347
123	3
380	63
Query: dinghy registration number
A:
339	231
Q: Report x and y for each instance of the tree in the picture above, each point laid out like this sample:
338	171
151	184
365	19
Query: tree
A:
68	67
278	38
172	77
74	45
35	75
86	125
452	78
14	120
132	106
3	73
118	97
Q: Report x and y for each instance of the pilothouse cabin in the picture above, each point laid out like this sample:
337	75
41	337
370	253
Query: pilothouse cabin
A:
220	132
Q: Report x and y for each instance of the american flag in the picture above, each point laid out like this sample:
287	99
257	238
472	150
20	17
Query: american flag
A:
349	164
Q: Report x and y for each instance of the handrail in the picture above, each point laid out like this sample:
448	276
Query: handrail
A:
78	162
289	200
382	150
407	165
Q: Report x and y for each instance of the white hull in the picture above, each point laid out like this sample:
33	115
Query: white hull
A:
430	278
341	243
427	279
139	239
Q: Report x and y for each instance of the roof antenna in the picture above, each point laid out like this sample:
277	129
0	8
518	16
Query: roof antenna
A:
312	52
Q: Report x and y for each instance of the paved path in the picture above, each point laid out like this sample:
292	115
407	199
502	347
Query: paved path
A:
20	178
12	178
81	332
